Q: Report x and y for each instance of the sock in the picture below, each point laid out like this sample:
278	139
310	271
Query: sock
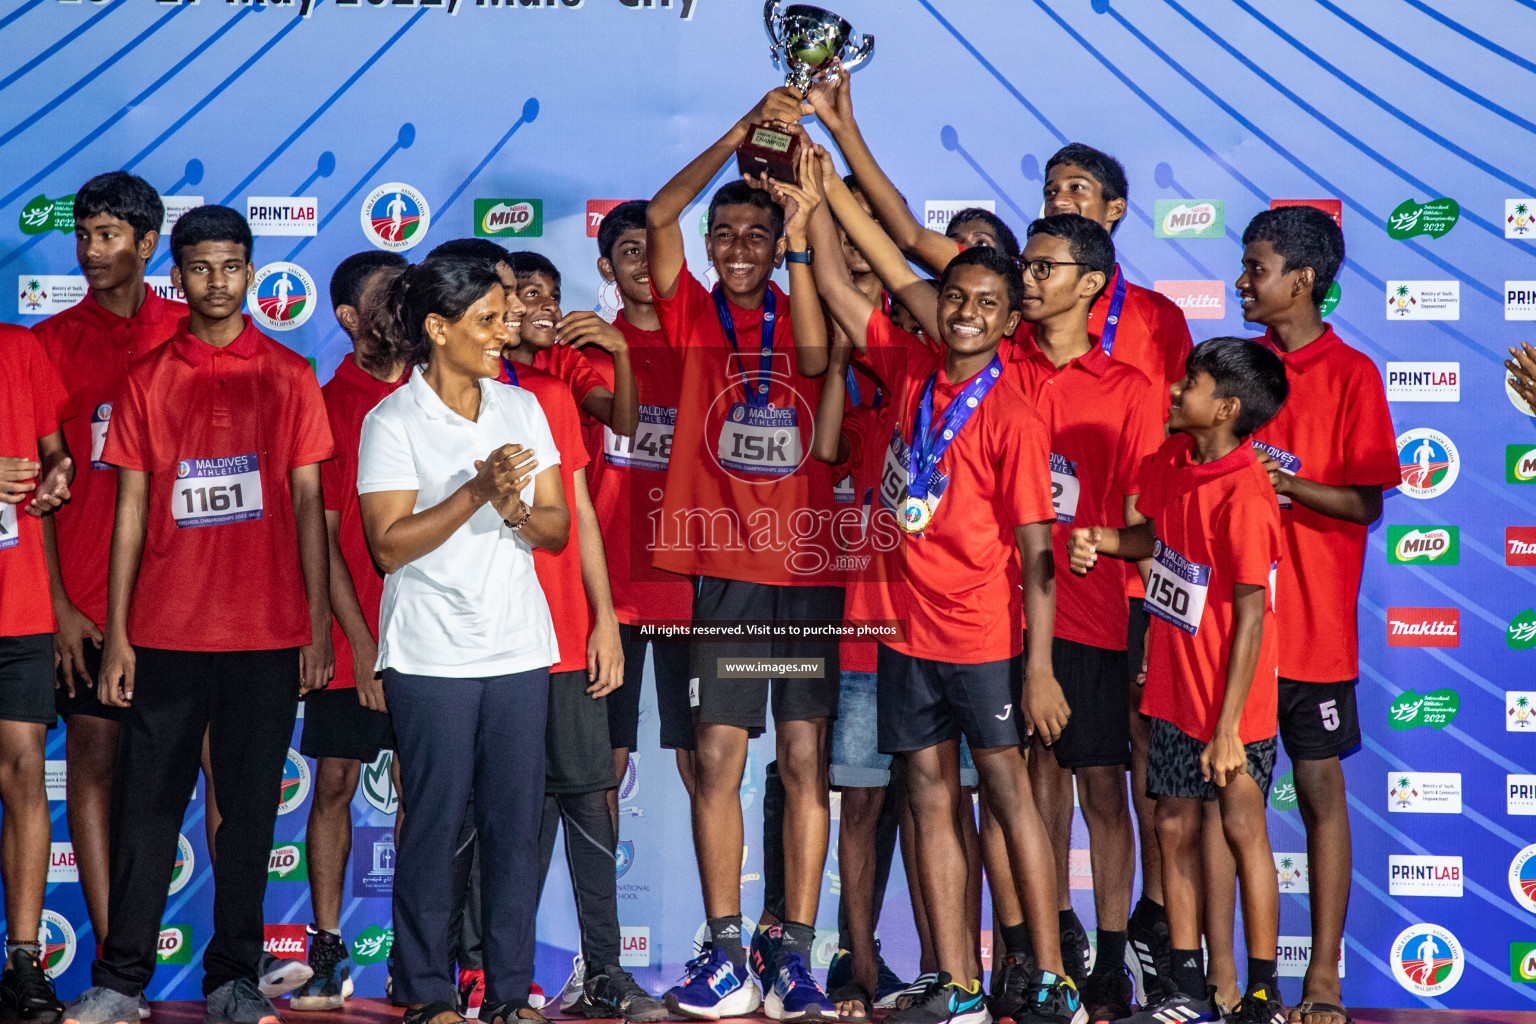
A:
1189	972
1261	973
1016	939
1111	951
12	946
1149	910
725	935
799	938
1067	921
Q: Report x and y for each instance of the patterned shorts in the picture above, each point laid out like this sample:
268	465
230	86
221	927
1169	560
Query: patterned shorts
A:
1173	764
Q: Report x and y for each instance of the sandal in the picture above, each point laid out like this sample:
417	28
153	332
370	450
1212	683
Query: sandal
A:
852	992
1299	1012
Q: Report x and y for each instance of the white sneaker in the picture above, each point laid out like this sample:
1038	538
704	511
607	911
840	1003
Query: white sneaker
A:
575	986
278	977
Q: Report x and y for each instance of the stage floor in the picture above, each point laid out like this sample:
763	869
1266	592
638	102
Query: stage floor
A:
378	1011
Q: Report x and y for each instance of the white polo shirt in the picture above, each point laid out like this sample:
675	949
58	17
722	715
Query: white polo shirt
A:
473	607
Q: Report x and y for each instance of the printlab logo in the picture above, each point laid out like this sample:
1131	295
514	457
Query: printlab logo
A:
1522	878
1520	635
379	786
57	937
1413	875
288	863
1429	462
181	871
634	946
623	857
1423	382
1423	545
1412	709
61	863
1200	300
295	784
1520	300
372	944
1522	962
1433	218
395	216
1424	792
1291	872
1520	710
497	218
1282	797
1518	214
1423	300
1175	218
937	213
1427	960
41	215
174	946
1520	464
1294	952
1520	794
282	296
1520	545
1423	627
281	215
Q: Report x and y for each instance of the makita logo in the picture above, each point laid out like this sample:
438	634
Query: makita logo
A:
1423	627
280	947
1520	545
286	941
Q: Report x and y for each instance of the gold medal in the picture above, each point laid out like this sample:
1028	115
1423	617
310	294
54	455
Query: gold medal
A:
915	514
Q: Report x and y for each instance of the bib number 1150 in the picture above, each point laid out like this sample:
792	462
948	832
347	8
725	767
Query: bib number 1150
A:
1177	589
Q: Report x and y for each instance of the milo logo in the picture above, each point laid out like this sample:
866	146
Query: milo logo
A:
1180	219
1423	545
498	217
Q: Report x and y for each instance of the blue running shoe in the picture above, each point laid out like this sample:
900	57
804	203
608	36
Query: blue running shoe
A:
795	994
765	946
714	987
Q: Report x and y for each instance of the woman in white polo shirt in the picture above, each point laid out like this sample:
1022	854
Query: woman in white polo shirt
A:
459	480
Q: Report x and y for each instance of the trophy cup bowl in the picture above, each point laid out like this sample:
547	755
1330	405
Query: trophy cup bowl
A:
808	43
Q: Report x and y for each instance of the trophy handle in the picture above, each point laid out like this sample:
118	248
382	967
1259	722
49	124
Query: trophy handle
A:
772	19
865	48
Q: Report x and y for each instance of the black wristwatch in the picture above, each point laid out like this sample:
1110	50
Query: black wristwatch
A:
806	257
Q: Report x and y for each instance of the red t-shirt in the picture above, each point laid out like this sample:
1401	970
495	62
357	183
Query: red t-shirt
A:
744	498
92	349
1336	423
1105	418
560	574
868	430
1218	525
351	394
218	430
628	479
34	399
956	587
585	369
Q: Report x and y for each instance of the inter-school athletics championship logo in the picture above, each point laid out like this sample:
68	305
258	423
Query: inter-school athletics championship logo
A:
395	216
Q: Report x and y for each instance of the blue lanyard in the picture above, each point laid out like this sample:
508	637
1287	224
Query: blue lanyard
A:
1112	321
930	441
506	364
853	391
755	396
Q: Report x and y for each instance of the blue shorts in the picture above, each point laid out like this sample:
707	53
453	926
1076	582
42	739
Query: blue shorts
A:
856	758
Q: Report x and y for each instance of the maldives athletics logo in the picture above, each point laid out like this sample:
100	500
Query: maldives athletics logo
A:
1428	461
295	784
1427	960
181	871
395	216
57	938
1522	878
282	296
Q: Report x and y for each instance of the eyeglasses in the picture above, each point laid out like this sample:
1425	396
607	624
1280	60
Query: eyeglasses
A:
1041	269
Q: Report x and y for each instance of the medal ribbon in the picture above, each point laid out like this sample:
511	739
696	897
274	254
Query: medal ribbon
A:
929	440
853	391
1112	321
511	368
758	395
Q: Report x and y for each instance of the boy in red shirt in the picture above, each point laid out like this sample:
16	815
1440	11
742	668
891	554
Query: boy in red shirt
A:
1330	452
347	723
1213	531
218	614
117	226
35	471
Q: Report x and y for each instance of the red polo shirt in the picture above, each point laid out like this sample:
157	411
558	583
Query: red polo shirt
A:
351	394
92	348
218	430
1334	428
585	369
868	430
1105	418
560	574
628	480
34	399
744	498
1219	526
956	586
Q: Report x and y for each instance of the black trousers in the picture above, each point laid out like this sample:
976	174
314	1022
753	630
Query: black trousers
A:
246	701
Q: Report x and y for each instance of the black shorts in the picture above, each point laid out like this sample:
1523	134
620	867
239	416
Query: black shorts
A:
923	703
26	679
1318	720
85	701
1173	764
337	725
670	659
577	755
1094	682
743	701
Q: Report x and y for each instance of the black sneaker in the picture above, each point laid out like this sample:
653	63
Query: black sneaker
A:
239	1002
1149	953
331	983
513	1011
1011	982
1075	954
1053	1000
1259	1006
1107	994
946	1002
615	993
442	1012
26	991
1178	1008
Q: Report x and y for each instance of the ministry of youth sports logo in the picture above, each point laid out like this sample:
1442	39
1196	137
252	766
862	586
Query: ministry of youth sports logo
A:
395	216
282	296
1428	461
1427	960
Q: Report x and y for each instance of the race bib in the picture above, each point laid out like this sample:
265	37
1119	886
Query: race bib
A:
650	448
843	492
1289	465
101	418
893	477
760	439
1177	589
9	537
212	492
1064	488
